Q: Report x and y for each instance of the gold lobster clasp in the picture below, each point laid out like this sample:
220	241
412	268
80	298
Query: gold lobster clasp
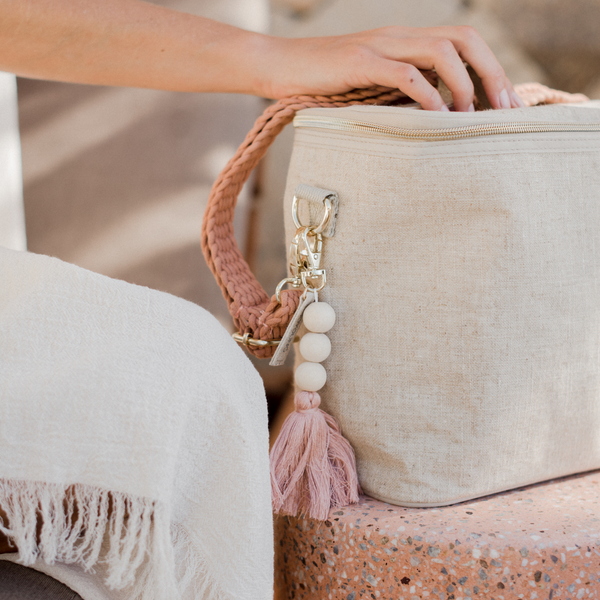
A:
305	258
304	262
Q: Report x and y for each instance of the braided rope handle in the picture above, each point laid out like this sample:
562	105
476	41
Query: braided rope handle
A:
253	311
536	93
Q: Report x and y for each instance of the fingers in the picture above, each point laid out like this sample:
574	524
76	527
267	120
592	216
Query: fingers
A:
445	49
391	57
408	79
472	48
441	55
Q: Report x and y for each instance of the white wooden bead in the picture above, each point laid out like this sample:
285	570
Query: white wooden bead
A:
315	347
319	317
310	376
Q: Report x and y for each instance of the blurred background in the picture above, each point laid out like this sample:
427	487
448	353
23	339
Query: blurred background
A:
116	180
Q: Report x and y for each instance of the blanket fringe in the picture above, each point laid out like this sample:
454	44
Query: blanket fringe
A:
193	574
69	524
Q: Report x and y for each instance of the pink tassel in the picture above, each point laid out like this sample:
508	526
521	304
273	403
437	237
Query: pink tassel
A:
313	467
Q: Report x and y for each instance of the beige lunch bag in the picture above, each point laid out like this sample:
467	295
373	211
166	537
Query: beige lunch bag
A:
464	271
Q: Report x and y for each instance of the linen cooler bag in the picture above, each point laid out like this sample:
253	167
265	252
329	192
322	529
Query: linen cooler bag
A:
464	271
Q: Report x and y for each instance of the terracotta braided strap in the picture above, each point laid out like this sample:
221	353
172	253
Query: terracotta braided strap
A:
536	93
253	312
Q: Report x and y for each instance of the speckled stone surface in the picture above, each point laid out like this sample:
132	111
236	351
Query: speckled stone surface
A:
542	541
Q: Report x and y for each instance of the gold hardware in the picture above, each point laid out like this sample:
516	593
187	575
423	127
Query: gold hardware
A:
309	258
320	228
305	259
246	340
305	253
312	286
296	283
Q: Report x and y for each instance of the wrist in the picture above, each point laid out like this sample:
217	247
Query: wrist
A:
257	60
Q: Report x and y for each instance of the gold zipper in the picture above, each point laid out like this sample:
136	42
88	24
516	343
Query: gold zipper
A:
450	133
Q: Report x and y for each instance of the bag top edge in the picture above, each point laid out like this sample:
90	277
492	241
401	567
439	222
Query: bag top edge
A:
582	112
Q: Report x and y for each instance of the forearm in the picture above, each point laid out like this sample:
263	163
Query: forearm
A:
136	44
127	43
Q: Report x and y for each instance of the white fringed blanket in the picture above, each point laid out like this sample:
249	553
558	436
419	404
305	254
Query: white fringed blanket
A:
137	408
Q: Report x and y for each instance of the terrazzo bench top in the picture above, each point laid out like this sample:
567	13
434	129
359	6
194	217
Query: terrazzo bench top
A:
542	541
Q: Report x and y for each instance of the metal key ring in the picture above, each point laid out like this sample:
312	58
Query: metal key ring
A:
322	225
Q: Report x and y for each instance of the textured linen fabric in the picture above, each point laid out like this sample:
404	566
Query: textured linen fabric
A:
111	388
465	276
12	216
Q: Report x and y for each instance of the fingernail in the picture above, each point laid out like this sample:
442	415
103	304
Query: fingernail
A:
471	108
517	99
444	108
504	99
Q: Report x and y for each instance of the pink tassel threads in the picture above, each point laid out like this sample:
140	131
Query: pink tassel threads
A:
313	467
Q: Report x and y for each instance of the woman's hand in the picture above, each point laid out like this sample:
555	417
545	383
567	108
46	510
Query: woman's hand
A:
391	57
137	44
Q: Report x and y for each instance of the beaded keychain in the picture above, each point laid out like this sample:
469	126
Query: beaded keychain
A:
315	346
313	467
